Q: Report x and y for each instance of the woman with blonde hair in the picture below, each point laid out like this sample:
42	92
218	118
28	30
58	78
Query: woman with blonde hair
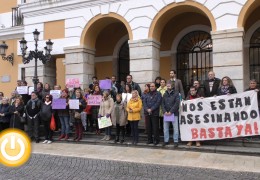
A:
226	87
134	107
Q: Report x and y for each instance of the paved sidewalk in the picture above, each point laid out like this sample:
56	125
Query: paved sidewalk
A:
152	156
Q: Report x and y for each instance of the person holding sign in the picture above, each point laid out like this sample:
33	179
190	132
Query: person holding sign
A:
106	107
152	105
170	109
126	96
95	109
77	116
134	107
64	116
226	87
193	95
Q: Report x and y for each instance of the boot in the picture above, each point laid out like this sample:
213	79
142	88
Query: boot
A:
78	139
122	140
117	139
66	137
104	138
61	137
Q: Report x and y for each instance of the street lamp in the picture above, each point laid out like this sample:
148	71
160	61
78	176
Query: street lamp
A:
36	54
3	48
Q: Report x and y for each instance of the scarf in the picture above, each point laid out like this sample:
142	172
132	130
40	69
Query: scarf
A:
224	89
33	102
47	103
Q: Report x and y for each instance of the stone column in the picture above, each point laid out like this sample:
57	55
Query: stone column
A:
228	56
79	63
144	60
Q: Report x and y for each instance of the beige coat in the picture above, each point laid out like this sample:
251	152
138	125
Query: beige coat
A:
106	106
122	114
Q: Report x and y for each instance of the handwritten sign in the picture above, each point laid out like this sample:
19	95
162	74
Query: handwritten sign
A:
55	93
22	89
94	100
72	83
74	103
59	104
105	84
104	122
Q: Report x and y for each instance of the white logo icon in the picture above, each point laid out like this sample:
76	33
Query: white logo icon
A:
13	147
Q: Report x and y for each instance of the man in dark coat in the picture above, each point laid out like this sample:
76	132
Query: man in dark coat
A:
152	104
211	85
170	106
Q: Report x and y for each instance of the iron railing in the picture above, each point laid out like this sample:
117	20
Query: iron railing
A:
17	17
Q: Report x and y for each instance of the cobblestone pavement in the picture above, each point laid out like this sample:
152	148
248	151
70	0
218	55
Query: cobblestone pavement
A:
60	167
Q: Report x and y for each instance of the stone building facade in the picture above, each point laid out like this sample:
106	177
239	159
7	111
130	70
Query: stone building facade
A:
146	38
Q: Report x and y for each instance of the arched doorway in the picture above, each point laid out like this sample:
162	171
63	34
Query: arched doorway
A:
123	62
104	35
194	57
254	56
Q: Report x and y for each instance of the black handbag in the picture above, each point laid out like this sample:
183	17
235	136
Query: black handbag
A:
23	118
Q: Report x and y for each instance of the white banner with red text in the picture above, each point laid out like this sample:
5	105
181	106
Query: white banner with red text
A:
220	117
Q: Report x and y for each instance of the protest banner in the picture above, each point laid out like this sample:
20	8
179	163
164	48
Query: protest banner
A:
55	94
59	104
105	84
72	82
74	103
22	89
220	117
94	100
104	122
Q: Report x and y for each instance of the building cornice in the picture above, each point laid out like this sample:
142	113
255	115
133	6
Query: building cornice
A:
16	32
39	8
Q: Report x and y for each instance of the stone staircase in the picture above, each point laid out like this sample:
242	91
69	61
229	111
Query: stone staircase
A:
242	146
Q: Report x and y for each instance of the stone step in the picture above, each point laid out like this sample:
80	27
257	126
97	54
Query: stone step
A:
182	146
237	142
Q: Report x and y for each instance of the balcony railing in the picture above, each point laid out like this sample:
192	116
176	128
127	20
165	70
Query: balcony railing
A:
17	17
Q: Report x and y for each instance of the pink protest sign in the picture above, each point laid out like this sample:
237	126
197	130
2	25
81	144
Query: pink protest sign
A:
72	83
94	100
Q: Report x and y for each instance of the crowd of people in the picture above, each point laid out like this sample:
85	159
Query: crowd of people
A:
124	104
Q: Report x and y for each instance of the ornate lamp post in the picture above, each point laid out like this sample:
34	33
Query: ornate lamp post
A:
36	54
3	48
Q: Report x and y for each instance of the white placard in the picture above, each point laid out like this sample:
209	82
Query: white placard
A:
126	97
74	103
55	94
31	89
22	89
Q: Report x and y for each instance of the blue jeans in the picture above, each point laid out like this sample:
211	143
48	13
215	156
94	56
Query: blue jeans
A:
65	124
108	131
175	125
